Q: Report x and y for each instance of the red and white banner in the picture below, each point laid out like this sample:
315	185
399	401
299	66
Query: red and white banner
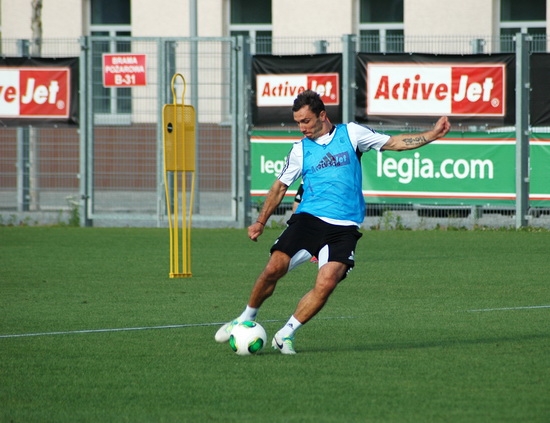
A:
436	89
280	90
35	92
124	70
277	80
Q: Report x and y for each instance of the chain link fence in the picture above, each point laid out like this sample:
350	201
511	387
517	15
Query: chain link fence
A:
108	171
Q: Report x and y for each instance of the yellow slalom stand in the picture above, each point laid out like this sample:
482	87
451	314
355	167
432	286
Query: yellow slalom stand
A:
178	121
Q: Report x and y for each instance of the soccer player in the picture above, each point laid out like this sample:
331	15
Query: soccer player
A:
326	222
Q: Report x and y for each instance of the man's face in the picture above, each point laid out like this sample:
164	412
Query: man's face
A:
310	125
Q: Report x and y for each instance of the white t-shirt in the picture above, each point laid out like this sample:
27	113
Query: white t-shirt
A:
362	138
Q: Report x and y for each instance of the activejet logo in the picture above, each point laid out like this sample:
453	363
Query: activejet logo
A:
403	89
34	92
281	90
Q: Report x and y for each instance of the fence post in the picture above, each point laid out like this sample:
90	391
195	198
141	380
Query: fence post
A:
242	95
523	87
478	45
23	152
83	123
349	42
321	46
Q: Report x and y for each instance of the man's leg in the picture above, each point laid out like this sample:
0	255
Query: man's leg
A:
330	274
328	278
263	288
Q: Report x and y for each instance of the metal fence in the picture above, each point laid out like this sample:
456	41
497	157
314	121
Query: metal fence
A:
109	172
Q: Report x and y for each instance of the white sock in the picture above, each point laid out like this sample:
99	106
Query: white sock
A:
291	326
249	313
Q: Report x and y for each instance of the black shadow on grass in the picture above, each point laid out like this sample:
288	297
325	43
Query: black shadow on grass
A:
411	345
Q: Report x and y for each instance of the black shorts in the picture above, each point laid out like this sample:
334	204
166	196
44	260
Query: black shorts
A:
307	233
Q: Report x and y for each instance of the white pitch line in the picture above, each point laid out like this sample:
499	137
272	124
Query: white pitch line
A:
71	332
509	308
189	325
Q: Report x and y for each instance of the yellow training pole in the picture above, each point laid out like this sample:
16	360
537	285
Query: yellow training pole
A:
179	161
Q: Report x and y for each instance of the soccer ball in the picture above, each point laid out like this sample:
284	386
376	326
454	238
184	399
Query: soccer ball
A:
247	338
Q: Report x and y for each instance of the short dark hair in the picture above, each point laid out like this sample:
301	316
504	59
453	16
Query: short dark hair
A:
309	98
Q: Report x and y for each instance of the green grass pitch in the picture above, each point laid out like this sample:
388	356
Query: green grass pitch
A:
430	326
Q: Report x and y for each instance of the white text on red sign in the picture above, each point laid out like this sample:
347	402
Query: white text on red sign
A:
124	70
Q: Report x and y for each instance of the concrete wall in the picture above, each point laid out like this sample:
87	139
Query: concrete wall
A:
291	18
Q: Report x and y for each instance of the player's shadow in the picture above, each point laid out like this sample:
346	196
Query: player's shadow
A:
365	345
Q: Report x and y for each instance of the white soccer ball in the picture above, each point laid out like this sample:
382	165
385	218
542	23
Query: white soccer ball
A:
247	338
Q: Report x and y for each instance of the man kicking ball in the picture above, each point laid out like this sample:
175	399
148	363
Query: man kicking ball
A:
326	222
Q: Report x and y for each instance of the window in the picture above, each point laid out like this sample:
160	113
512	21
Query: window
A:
109	18
381	26
252	18
527	16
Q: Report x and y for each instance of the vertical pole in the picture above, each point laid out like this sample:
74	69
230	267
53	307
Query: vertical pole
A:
90	132
23	153
348	78
162	97
478	45
84	121
170	65
243	93
321	46
523	87
194	86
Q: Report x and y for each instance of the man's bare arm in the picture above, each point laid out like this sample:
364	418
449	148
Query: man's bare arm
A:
404	142
273	199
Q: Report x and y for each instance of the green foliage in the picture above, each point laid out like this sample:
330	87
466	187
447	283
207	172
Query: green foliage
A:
430	326
390	221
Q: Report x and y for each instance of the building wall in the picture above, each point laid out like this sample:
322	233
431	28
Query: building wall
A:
320	19
451	18
291	18
160	18
16	19
60	19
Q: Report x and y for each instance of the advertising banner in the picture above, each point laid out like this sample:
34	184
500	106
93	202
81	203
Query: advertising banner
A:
277	80
472	90
466	170
539	106
38	91
268	153
463	169
539	177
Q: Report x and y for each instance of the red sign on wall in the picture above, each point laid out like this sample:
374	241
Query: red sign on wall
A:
35	92
124	70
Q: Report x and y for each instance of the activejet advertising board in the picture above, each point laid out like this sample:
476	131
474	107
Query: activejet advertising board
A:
403	88
462	169
277	80
38	91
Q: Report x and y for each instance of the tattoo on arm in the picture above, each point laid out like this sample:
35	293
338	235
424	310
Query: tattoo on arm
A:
415	141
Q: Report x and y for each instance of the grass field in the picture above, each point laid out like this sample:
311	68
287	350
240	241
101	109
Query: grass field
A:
431	326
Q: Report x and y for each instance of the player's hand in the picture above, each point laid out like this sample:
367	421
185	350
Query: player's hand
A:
255	230
442	127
